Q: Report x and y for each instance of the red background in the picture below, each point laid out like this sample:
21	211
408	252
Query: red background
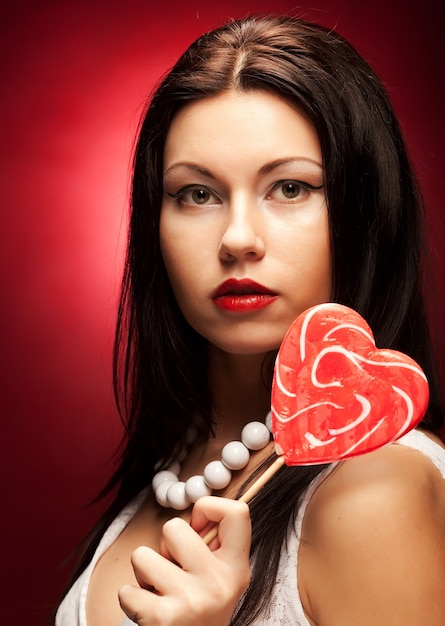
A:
74	76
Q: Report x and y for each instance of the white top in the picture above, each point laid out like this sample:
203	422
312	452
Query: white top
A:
285	606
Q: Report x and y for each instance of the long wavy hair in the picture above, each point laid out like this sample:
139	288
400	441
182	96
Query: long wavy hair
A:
377	248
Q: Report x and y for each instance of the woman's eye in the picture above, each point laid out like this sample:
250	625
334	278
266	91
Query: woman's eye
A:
286	190
195	195
290	190
199	196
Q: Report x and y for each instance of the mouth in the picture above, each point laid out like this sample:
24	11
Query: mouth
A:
243	287
243	296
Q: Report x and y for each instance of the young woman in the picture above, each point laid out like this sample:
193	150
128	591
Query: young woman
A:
270	175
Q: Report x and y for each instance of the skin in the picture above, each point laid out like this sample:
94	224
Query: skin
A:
207	583
373	548
372	552
374	540
237	204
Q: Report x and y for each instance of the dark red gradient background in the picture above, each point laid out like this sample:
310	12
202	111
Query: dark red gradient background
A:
73	77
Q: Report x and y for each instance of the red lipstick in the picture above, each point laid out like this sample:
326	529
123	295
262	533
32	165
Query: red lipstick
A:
242	296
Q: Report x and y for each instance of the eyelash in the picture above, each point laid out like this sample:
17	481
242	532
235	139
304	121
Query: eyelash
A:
300	185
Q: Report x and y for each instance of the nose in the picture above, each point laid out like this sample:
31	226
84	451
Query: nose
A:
242	238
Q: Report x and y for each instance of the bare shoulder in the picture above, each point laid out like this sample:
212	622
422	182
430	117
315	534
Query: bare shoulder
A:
373	543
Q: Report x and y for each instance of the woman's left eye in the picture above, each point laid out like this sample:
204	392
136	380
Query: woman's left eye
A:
288	190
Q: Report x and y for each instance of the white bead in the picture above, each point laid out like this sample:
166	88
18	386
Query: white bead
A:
235	455
195	488
255	435
161	492
171	492
268	421
176	496
216	475
162	477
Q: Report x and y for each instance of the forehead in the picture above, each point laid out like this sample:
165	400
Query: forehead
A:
258	125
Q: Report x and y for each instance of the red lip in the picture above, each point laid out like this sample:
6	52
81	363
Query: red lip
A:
242	296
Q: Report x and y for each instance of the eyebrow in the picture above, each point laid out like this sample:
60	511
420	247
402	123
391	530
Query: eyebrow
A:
264	169
190	166
269	167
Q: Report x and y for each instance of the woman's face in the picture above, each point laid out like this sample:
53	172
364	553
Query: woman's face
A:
244	225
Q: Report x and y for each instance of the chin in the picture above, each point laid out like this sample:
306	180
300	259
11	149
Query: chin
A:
244	340
248	347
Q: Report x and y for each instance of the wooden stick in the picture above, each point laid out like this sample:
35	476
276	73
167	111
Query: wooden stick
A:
250	493
262	480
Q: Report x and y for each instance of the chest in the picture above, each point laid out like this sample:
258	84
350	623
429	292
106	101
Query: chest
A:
113	569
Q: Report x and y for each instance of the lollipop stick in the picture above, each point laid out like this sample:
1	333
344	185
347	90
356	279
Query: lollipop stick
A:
262	480
250	493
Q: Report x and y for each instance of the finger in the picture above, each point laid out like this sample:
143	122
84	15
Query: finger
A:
153	572
210	537
233	519
207	530
141	606
181	544
132	602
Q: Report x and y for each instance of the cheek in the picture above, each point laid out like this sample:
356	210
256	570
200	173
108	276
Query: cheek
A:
320	266
171	242
318	249
326	256
319	243
169	250
306	249
174	259
182	259
323	276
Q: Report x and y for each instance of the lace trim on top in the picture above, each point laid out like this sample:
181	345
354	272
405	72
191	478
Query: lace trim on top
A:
72	610
417	440
285	607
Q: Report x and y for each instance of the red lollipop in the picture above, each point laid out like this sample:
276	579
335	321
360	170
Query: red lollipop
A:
335	395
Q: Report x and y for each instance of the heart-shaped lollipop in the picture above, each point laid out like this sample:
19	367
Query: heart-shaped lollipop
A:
335	395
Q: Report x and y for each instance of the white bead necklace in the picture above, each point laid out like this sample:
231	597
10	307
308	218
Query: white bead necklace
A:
173	493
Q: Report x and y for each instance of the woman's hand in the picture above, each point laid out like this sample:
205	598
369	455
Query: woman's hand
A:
190	583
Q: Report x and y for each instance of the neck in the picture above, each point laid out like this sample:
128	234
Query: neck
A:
239	389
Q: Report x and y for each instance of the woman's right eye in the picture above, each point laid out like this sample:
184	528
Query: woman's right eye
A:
195	195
